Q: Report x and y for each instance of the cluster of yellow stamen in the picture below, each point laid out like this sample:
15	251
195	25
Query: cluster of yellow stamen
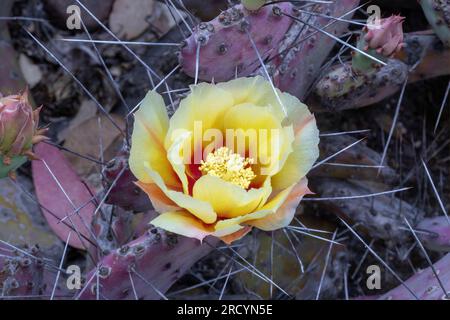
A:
229	166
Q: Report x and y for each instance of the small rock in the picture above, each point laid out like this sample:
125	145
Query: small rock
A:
128	19
31	72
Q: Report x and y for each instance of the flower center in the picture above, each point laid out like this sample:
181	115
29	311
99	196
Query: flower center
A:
229	166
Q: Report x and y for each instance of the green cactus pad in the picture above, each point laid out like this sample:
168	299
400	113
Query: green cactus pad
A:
437	13
339	82
362	64
16	162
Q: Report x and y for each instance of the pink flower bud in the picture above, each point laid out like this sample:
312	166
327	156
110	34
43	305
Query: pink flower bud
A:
386	37
18	125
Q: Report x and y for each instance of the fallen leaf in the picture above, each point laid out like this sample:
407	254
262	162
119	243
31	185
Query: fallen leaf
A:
62	196
85	140
88	109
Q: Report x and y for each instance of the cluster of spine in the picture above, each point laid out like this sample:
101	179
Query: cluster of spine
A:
21	273
381	216
434	234
224	48
221	48
155	261
305	49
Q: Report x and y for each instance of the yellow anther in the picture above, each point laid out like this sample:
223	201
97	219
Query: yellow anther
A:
229	166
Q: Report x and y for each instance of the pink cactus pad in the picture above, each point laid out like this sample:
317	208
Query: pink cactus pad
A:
224	45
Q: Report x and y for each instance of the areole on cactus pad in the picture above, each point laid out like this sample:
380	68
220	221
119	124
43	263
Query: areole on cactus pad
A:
259	145
18	132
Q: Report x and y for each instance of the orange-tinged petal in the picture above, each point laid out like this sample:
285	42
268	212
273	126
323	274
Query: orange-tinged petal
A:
201	209
160	202
150	128
227	231
227	199
283	216
183	223
301	160
236	235
227	223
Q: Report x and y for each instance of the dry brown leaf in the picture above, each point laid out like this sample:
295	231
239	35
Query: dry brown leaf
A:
88	110
85	140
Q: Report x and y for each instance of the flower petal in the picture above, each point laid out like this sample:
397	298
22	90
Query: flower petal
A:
198	208
301	160
297	111
229	200
160	202
177	159
269	208
285	213
150	128
256	91
185	224
266	141
236	235
259	92
182	223
206	104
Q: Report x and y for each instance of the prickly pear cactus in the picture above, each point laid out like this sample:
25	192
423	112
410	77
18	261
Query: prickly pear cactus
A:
355	218
226	39
22	274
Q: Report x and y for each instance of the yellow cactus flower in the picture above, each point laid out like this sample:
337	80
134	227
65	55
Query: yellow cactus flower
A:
233	156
